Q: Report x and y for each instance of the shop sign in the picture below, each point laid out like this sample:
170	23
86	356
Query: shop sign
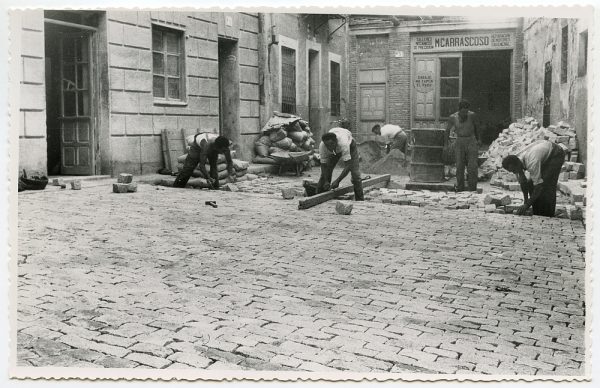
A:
424	81
463	42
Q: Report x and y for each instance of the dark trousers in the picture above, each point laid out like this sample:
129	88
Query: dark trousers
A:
399	142
191	161
466	153
545	205
327	172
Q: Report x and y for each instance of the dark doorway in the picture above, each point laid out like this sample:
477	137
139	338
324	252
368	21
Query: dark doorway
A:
229	91
486	85
313	93
70	102
547	93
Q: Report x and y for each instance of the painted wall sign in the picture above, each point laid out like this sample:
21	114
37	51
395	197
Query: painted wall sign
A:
463	42
424	81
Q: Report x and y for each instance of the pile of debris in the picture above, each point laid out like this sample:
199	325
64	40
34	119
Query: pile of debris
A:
283	133
518	135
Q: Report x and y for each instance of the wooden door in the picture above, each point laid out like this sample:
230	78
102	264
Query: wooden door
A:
372	109
76	117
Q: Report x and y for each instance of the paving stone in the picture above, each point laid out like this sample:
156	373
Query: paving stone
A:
145	359
191	359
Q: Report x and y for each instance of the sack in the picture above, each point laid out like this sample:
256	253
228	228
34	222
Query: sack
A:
309	144
298	137
285	143
294	127
239	165
264	140
261	149
277	135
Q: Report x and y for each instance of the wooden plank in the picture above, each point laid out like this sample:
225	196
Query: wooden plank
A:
165	149
309	202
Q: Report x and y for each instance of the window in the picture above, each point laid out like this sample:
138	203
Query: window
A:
525	79
334	73
582	57
167	64
564	58
449	86
288	80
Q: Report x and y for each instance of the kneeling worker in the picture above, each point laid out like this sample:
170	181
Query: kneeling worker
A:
338	143
394	136
206	146
542	160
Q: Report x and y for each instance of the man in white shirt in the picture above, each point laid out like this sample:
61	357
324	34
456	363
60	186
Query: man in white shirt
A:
393	135
205	147
542	160
335	145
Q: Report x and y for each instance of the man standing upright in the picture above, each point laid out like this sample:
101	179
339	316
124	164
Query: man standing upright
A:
338	143
205	147
467	145
393	135
542	160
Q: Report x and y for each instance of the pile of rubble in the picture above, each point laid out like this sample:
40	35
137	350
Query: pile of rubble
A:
282	134
518	135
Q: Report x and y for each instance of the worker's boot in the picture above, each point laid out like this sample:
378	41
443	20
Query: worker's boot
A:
359	195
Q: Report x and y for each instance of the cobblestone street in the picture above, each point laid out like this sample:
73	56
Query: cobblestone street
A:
157	279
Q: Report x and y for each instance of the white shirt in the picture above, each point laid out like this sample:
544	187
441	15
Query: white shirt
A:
390	131
344	138
532	158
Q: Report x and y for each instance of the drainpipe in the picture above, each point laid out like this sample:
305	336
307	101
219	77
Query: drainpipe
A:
264	69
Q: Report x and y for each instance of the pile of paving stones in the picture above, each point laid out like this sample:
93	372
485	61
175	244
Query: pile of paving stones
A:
520	134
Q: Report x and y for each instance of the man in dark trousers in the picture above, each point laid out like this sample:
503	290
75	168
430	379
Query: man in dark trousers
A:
338	143
542	160
467	145
203	147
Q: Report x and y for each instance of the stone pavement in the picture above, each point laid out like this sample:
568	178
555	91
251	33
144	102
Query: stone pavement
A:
156	279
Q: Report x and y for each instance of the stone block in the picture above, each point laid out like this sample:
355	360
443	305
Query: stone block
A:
120	187
230	187
574	157
490	208
124	102
138	125
342	208
57	182
562	139
574	213
33	70
575	175
139	81
514	187
35	123
125	57
137	36
33	97
288	193
500	211
572	144
32	43
577	197
76	184
578	167
564	176
505	200
125	178
568	166
251	177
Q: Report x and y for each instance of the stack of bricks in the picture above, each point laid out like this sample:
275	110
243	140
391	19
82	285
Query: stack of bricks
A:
572	171
125	184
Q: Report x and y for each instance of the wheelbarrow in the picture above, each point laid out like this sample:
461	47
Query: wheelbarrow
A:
291	160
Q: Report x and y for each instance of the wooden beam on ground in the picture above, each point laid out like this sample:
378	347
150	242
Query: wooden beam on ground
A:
309	202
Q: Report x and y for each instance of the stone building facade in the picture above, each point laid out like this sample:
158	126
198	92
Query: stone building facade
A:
412	71
98	87
555	71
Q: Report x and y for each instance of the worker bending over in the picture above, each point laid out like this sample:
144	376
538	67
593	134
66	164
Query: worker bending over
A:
338	143
393	135
203	147
543	161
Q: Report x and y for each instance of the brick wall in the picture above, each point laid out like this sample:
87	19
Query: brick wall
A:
29	67
137	119
399	80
